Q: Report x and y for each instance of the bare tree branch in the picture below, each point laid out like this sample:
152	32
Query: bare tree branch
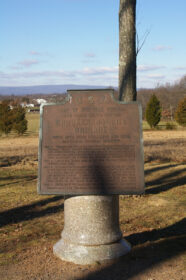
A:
143	40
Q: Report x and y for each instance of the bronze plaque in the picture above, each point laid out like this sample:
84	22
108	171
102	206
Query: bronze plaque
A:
91	144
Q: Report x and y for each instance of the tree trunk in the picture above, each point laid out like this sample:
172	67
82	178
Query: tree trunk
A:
127	50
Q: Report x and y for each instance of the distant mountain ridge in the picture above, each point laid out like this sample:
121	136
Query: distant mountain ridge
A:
43	89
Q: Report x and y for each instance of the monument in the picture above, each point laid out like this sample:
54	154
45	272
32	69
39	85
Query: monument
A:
91	151
91	147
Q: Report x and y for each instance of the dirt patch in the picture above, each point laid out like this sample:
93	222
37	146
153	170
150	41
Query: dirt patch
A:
143	263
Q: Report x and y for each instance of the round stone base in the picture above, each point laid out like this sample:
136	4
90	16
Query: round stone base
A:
79	254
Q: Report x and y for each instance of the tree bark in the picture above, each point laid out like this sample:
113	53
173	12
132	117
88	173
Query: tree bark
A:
127	50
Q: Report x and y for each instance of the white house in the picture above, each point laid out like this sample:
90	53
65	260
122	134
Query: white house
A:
30	105
41	101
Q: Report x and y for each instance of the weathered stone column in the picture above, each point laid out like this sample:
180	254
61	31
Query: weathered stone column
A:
91	230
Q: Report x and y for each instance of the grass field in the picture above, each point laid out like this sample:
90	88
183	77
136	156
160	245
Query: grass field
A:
154	223
33	123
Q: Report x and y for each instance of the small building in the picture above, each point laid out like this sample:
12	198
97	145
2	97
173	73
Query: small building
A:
41	101
30	105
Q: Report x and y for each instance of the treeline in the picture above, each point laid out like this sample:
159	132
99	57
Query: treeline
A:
168	95
12	118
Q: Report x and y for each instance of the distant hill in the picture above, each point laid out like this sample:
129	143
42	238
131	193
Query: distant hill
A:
43	89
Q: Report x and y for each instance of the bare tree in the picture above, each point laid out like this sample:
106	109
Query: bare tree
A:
127	50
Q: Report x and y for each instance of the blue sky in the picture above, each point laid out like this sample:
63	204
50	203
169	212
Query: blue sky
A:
77	42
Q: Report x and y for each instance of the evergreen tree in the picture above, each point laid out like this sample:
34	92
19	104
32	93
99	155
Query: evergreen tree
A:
6	118
153	111
20	122
180	115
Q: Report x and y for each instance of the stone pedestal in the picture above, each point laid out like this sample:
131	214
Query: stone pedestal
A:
91	230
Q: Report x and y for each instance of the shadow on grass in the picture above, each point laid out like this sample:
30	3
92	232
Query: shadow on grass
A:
11	160
30	212
21	179
158	168
165	187
177	141
166	182
176	229
152	249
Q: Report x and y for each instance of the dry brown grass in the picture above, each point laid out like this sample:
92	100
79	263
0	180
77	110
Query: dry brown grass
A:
159	146
164	134
163	146
165	150
154	223
31	224
18	149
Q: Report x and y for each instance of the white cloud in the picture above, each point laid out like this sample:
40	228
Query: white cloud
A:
34	53
156	76
94	76
144	68
16	67
89	58
36	74
90	55
97	71
28	63
180	68
162	48
106	76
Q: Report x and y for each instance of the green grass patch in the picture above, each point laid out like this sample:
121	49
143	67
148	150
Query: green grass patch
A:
163	125
33	123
